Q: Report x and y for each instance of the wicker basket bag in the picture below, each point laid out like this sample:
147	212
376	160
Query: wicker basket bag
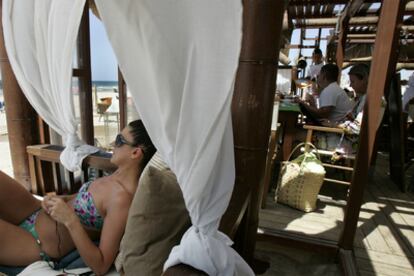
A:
300	180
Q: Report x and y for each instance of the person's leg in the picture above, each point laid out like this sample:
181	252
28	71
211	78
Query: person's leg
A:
16	203
18	247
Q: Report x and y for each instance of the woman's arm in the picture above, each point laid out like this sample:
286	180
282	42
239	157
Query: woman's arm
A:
99	259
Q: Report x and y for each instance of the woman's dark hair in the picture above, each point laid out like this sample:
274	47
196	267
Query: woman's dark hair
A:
360	70
142	139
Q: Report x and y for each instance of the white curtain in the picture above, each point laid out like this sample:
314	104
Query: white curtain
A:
40	37
179	60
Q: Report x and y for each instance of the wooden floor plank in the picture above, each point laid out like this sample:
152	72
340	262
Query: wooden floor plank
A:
402	231
391	237
384	239
383	268
378	257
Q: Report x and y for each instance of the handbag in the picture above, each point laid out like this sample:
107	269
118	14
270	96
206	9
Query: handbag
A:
300	180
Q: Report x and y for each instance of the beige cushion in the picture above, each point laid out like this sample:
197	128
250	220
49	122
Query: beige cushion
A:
156	222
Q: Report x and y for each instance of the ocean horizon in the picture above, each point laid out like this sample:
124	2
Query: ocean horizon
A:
105	83
98	83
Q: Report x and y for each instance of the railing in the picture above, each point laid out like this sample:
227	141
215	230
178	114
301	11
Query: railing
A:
46	171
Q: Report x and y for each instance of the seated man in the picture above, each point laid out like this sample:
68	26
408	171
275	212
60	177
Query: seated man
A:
334	104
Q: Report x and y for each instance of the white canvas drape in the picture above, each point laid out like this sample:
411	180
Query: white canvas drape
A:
40	37
179	60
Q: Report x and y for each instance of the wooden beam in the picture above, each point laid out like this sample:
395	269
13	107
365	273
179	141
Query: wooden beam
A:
331	22
256	78
396	127
292	239
302	35
324	2
318	41
382	67
297	46
343	22
371	41
351	9
21	118
348	262
340	48
85	80
123	98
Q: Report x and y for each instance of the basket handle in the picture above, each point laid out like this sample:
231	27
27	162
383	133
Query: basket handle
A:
303	144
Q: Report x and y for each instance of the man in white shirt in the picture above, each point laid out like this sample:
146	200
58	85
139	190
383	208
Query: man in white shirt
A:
317	63
334	103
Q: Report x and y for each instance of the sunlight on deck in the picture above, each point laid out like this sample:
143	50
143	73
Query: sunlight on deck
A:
384	240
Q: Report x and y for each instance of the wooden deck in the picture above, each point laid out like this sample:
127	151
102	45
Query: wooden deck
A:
384	243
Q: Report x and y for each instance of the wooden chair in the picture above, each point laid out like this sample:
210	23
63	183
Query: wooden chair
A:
271	153
349	159
45	170
270	161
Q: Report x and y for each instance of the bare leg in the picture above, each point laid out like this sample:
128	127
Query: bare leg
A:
16	203
18	247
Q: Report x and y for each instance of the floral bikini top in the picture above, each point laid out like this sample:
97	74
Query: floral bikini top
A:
86	210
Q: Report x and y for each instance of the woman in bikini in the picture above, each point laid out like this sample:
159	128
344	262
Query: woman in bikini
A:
32	230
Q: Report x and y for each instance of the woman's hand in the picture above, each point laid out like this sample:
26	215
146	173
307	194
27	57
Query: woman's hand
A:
59	210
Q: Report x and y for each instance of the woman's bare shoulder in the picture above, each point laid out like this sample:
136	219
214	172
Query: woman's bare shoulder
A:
111	193
120	196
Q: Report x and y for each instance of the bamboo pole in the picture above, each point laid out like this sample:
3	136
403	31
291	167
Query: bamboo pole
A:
252	103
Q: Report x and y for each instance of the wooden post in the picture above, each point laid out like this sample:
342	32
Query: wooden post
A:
122	92
383	65
396	125
85	79
331	51
302	34
318	40
21	118
340	50
350	10
253	101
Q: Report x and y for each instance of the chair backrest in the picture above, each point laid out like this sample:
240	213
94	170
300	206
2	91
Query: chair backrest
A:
101	108
45	169
349	157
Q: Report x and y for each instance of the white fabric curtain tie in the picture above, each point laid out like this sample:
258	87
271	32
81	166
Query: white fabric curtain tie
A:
211	252
74	152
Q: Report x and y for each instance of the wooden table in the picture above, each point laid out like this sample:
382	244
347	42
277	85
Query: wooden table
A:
288	117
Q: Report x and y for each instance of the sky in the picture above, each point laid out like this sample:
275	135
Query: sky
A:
104	64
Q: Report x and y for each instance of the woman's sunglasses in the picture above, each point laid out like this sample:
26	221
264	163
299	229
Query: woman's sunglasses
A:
120	141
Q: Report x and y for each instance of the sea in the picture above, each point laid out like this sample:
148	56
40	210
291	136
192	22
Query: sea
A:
101	86
105	84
